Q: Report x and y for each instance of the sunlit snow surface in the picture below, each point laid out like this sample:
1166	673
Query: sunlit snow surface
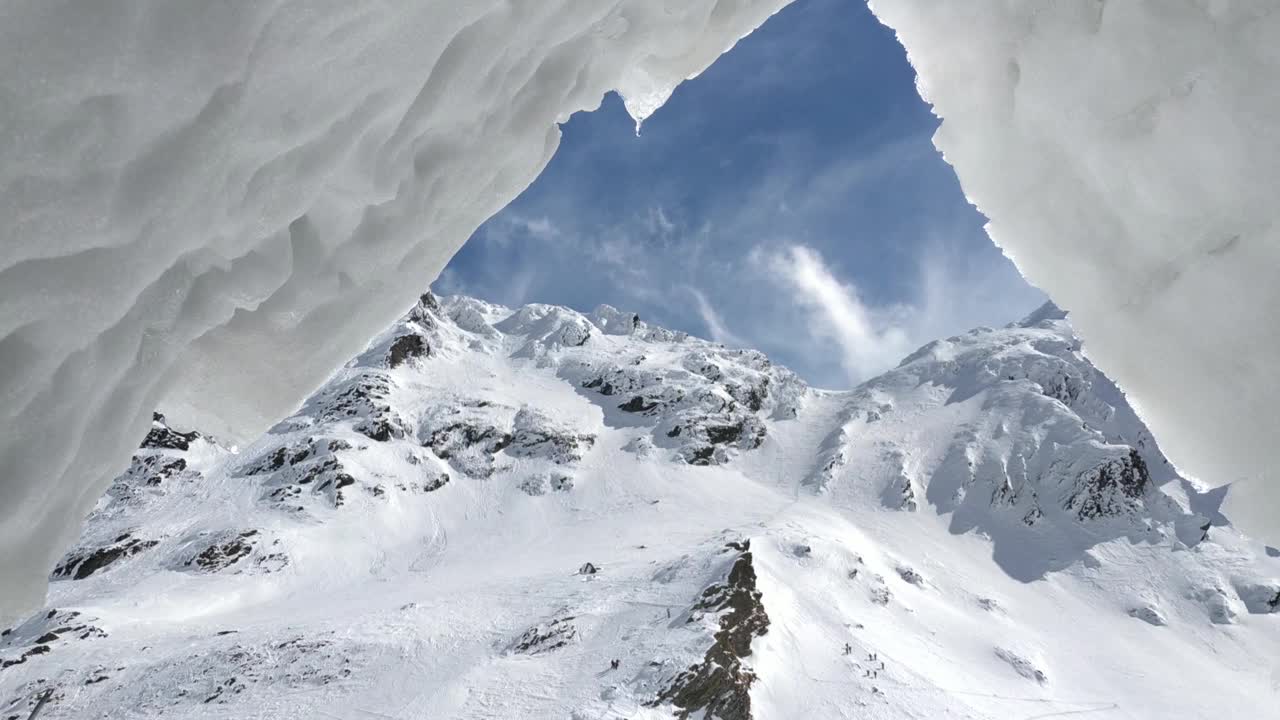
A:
410	543
210	205
1127	155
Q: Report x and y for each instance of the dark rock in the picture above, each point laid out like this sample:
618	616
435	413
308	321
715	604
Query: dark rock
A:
536	436
34	636
753	396
719	435
425	311
162	436
1063	388
80	564
719	686
544	638
599	385
910	575
707	442
534	485
574	336
587	569
150	469
21	659
470	447
405	348
701	455
638	404
219	556
365	399
1111	489
314	463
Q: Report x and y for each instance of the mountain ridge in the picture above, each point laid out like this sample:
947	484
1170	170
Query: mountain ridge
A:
487	506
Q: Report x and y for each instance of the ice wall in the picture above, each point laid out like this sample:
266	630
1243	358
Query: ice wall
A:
1127	153
211	205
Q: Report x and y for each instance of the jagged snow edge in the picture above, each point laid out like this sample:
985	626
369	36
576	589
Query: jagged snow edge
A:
1121	152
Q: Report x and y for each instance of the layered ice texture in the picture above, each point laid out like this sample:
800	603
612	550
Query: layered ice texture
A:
1127	155
210	206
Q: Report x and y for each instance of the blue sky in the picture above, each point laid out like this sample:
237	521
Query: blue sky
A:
788	199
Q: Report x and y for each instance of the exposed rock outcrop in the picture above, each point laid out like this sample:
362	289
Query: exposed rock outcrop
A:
719	686
83	562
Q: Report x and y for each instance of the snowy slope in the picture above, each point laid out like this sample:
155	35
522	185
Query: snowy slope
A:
487	506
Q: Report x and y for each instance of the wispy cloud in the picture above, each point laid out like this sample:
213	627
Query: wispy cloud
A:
511	227
869	340
835	245
716	328
950	294
658	223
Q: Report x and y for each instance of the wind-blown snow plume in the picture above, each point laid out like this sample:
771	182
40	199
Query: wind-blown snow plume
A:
1126	154
210	206
867	344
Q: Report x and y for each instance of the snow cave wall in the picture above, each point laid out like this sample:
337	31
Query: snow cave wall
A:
1126	153
211	206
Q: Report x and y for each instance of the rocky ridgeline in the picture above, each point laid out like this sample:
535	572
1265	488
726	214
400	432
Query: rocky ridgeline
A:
1056	450
163	459
719	685
709	404
1011	433
1053	457
703	402
44	632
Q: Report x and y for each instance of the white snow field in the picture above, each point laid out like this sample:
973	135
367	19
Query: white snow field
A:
488	506
214	204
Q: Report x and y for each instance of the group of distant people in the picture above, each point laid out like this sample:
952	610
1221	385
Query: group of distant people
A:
871	657
615	663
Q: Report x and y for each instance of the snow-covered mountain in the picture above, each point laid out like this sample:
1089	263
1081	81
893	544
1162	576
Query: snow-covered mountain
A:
479	514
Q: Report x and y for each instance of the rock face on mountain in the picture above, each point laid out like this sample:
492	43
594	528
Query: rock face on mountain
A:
1014	434
542	513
